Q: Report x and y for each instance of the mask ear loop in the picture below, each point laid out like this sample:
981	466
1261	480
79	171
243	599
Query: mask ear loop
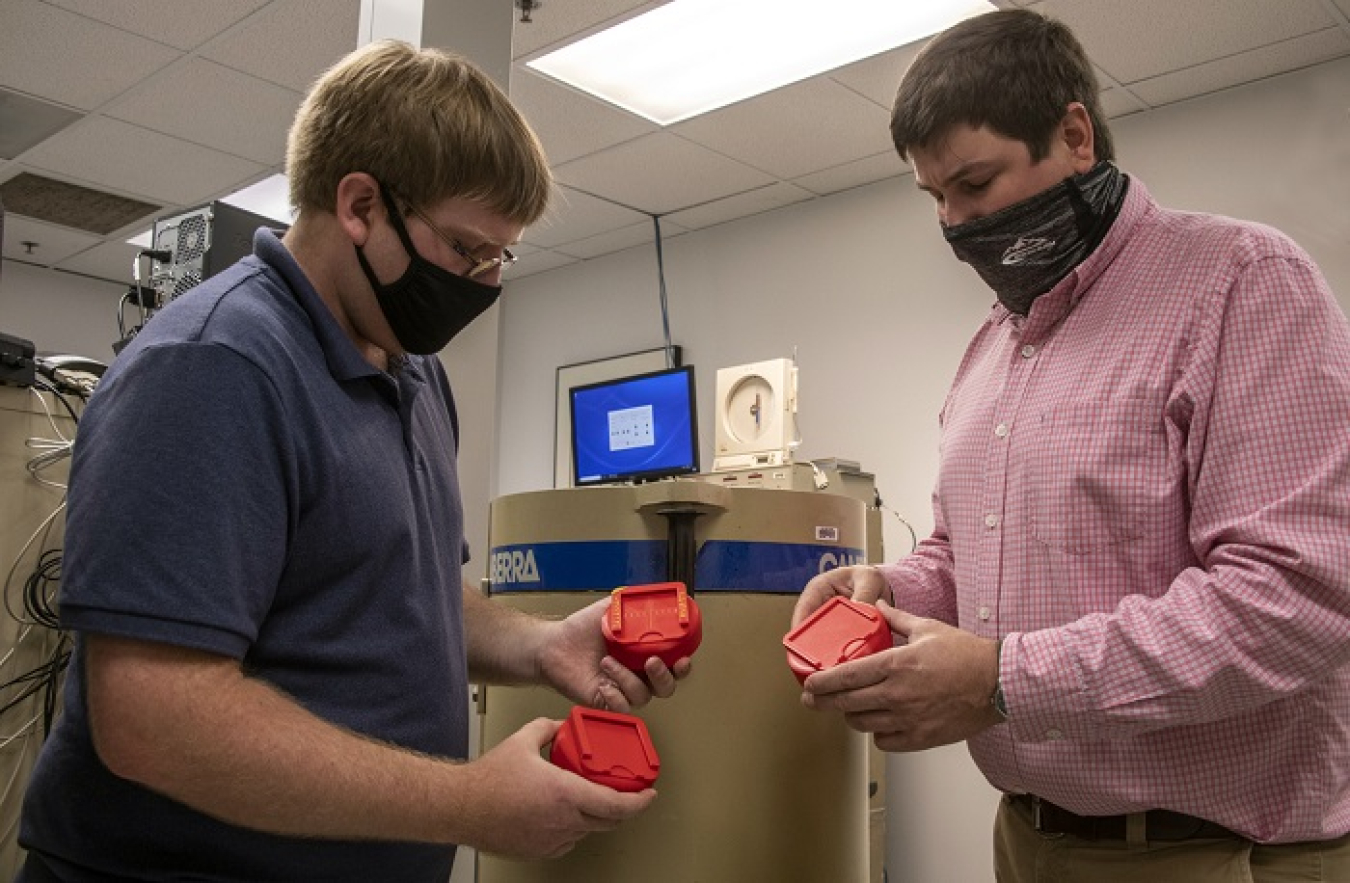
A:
396	218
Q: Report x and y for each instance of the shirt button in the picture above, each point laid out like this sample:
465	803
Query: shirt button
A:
1028	351
984	613
1001	430
1053	733
991	520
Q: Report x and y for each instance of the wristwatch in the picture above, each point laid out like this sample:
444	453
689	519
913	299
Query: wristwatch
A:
1000	704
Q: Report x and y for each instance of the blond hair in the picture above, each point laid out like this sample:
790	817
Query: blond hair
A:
426	123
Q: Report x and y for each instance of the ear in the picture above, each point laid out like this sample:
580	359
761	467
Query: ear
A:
359	205
1076	131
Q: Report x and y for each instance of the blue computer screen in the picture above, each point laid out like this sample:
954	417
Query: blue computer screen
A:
634	428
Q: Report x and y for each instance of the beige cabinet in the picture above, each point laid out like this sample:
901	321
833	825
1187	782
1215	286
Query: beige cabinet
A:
31	522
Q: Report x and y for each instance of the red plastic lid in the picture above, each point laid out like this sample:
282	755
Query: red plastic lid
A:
608	748
839	631
658	619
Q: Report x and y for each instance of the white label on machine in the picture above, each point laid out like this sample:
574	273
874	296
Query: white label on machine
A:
631	428
827	534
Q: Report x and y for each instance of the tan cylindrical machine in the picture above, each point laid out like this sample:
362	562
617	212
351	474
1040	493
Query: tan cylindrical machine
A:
753	786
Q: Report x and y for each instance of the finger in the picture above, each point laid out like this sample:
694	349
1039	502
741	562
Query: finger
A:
869	585
847	676
595	610
660	678
540	731
609	698
901	622
873	721
682	668
603	803
807	603
896	742
625	687
817	591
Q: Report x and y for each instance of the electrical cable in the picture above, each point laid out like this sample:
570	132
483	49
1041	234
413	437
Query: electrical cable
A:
661	281
39	620
882	507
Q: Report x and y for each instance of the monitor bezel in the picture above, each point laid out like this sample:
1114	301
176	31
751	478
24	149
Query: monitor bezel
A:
644	475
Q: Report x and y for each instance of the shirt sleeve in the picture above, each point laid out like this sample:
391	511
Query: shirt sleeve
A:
178	510
1266	610
924	582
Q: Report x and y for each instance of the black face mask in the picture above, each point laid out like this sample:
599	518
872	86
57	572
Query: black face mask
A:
427	305
1021	251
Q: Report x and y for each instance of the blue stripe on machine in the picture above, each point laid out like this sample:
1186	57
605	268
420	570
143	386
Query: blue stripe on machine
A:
721	565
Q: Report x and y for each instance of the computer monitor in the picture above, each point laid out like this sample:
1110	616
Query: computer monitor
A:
634	429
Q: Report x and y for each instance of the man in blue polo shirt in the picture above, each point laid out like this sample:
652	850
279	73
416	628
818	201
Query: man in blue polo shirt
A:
265	537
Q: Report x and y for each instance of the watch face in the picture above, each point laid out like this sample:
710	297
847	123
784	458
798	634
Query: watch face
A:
1000	704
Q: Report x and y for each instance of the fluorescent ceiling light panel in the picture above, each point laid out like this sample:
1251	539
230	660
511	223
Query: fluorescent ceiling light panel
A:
269	197
692	56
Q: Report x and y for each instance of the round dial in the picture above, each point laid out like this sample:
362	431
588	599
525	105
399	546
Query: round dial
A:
750	409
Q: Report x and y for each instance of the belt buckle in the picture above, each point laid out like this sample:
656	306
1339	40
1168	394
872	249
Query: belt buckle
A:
1036	821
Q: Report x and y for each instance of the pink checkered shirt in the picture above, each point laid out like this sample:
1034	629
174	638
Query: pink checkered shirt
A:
1144	487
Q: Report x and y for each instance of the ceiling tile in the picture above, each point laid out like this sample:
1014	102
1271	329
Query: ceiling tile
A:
110	261
49	243
215	106
659	174
1264	62
741	205
878	77
569	123
1119	102
557	22
826	124
267	47
538	262
123	158
67	58
1160	36
855	174
26	121
618	240
163	20
574	215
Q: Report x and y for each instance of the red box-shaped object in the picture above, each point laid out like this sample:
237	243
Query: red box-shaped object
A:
839	631
658	619
607	748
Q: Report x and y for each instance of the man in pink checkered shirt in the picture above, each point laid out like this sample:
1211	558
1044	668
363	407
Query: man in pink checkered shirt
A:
1135	603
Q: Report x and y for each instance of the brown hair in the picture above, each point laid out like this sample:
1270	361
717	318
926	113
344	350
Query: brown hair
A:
425	122
1014	70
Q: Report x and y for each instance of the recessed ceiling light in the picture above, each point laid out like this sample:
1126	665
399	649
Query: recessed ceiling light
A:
269	197
688	57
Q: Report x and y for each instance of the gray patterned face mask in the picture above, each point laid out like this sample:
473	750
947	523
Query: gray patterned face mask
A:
1021	251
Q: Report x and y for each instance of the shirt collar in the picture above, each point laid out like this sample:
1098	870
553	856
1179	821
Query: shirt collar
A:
345	361
1050	308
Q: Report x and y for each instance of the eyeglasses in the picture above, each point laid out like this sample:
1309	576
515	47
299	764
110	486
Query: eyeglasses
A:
477	266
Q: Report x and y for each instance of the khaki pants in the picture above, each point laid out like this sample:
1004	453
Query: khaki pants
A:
1022	855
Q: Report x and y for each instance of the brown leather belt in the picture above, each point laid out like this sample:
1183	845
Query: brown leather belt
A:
1159	824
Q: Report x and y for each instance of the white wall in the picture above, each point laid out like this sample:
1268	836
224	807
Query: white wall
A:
862	285
61	312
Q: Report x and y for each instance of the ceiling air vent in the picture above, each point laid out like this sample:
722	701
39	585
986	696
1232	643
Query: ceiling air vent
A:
70	205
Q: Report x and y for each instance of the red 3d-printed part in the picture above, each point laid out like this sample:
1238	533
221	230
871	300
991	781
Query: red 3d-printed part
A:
839	631
607	748
658	619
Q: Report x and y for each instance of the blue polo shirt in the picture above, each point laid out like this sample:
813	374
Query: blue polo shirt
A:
245	483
